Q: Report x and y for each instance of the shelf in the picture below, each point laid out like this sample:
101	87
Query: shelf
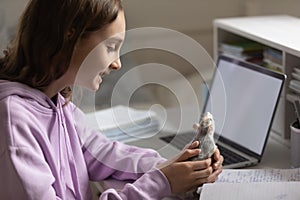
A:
278	32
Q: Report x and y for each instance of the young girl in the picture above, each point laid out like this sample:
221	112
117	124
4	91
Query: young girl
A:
46	152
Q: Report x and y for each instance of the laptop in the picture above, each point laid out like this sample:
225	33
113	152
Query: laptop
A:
242	98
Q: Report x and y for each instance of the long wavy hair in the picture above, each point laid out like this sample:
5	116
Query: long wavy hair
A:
41	50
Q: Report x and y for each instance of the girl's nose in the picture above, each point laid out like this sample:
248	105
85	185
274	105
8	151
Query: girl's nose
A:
116	65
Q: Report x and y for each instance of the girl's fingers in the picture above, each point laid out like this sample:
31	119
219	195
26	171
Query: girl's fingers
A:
204	173
187	154
217	154
208	179
201	164
219	163
194	145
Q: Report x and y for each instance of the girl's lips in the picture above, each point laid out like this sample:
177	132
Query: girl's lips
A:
102	74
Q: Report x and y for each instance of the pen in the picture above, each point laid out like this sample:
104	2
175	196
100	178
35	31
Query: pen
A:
297	110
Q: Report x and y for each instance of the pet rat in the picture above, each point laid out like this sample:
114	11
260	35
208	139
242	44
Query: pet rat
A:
205	135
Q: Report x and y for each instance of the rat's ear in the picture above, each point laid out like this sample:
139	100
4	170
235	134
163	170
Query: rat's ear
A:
196	126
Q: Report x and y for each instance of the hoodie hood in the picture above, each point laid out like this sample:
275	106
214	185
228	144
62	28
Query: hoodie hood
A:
8	88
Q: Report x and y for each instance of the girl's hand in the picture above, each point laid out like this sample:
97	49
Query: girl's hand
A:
218	160
184	175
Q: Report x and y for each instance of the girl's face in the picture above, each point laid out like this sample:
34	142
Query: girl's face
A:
97	53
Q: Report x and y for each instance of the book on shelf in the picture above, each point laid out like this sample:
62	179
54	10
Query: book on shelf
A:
246	50
124	123
273	66
238	47
295	85
272	59
296	76
273	55
255	53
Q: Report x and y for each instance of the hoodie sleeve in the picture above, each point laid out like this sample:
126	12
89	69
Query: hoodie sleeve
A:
152	185
119	161
111	159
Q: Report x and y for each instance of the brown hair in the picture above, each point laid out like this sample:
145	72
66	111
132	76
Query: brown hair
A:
42	50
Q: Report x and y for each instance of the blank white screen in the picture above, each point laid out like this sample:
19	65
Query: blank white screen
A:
244	104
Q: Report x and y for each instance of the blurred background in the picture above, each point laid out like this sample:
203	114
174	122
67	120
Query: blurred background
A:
193	18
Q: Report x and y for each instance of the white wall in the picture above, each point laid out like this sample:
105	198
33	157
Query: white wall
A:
179	14
10	10
191	17
194	17
270	7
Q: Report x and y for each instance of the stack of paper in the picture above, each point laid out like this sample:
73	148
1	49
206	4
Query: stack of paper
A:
124	123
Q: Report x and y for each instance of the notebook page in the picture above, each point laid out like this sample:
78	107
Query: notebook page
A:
258	175
250	191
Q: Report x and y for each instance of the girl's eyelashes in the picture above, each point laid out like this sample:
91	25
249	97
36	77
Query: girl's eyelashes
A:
111	48
113	44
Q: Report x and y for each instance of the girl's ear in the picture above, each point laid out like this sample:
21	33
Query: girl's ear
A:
70	33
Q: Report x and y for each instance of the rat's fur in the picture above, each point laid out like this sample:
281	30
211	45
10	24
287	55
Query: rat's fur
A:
205	136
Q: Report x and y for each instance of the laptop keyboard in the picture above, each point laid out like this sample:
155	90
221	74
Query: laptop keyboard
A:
230	157
183	139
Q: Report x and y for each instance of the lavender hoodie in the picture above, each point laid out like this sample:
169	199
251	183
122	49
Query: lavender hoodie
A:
47	152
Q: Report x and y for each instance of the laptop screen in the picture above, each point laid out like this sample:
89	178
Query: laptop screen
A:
243	99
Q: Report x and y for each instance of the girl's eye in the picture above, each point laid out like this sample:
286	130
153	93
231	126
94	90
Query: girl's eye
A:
111	49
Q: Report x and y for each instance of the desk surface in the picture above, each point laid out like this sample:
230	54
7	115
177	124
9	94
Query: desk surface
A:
276	155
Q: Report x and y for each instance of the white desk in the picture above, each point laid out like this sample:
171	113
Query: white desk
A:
276	155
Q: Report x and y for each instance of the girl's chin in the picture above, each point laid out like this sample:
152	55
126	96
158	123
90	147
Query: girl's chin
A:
93	88
92	85
97	83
